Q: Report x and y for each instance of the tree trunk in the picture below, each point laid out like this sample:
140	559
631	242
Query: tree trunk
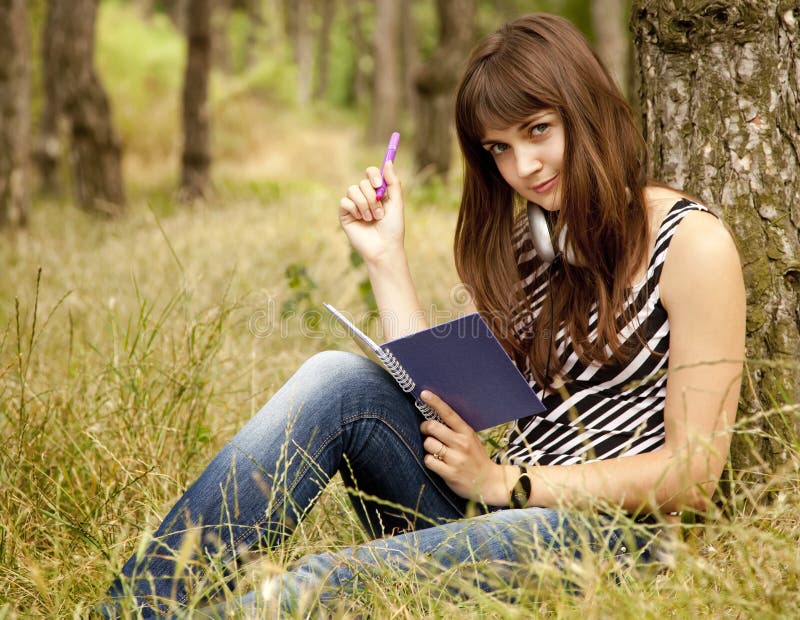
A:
436	81
361	55
611	38
196	160
14	111
386	87
178	12
48	145
220	45
719	85
255	24
327	15
95	147
304	50
411	61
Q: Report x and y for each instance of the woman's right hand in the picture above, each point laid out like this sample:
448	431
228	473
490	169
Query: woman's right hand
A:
375	228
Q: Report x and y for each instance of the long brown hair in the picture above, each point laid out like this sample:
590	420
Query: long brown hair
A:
542	61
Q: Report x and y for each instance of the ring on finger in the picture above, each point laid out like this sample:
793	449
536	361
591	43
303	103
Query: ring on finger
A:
439	455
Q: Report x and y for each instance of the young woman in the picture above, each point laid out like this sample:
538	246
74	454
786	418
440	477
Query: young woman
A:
630	326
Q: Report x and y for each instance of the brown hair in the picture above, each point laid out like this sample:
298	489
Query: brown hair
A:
535	62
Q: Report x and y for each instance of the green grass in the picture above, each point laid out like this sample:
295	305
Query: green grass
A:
131	350
136	352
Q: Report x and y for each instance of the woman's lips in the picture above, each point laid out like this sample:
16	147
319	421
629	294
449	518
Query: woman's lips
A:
546	186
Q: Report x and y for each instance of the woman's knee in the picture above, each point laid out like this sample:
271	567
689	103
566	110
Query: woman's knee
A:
335	367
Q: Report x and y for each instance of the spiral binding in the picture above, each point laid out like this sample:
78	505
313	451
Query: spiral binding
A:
406	383
427	411
397	371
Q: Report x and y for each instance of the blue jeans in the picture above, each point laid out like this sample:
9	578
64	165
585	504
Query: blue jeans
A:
338	413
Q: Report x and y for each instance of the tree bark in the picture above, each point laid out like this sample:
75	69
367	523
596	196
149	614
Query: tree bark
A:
14	112
386	86
196	159
95	147
611	38
436	82
719	85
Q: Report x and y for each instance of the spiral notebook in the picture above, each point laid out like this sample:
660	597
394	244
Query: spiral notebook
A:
462	362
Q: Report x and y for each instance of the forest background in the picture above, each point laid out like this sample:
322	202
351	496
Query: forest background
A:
170	233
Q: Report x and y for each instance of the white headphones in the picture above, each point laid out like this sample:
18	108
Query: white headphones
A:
548	248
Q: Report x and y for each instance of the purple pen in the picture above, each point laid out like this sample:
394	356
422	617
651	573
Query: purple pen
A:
391	150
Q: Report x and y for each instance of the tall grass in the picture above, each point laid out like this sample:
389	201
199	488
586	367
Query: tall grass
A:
130	351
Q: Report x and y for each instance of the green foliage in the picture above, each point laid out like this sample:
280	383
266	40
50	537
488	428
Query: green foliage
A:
365	291
301	302
141	64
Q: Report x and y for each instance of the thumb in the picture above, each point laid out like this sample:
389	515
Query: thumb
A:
390	175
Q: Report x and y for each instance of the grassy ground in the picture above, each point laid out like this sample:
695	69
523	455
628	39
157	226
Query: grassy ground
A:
130	351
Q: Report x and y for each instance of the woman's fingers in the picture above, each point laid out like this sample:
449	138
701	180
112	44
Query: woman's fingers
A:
446	413
435	447
361	201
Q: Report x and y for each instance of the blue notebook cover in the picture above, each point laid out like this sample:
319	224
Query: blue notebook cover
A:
462	362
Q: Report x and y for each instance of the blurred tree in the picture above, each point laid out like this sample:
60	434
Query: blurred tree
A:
224	57
14	111
147	7
327	15
95	148
410	61
719	89
47	152
386	85
177	11
611	39
220	46
362	53
196	159
436	81
255	19
297	18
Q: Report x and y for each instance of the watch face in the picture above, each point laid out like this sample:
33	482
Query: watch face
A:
521	492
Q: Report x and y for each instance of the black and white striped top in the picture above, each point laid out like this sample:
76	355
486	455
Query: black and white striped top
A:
602	411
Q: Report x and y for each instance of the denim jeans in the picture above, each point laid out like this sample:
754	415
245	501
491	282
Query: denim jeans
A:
338	413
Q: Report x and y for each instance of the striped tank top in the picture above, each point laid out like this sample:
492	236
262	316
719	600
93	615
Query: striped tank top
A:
603	411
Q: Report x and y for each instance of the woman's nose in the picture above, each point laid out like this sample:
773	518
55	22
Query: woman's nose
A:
528	162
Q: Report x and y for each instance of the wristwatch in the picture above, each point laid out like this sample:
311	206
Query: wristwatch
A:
521	493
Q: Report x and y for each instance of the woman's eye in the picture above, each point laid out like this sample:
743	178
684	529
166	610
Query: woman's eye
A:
540	129
498	148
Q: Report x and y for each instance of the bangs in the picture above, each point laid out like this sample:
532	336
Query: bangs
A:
503	92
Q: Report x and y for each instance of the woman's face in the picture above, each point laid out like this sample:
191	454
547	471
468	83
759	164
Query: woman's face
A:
530	157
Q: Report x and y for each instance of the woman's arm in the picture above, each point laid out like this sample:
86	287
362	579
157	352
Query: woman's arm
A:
703	293
376	230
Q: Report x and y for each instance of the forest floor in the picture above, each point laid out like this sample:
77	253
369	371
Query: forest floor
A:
132	350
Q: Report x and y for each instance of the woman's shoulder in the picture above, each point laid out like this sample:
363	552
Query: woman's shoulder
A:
702	250
661	201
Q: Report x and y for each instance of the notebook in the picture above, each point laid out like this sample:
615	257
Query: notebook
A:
462	362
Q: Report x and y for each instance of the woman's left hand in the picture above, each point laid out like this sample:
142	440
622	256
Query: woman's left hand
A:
455	452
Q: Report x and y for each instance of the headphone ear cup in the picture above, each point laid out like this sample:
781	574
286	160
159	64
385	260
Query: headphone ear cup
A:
540	233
